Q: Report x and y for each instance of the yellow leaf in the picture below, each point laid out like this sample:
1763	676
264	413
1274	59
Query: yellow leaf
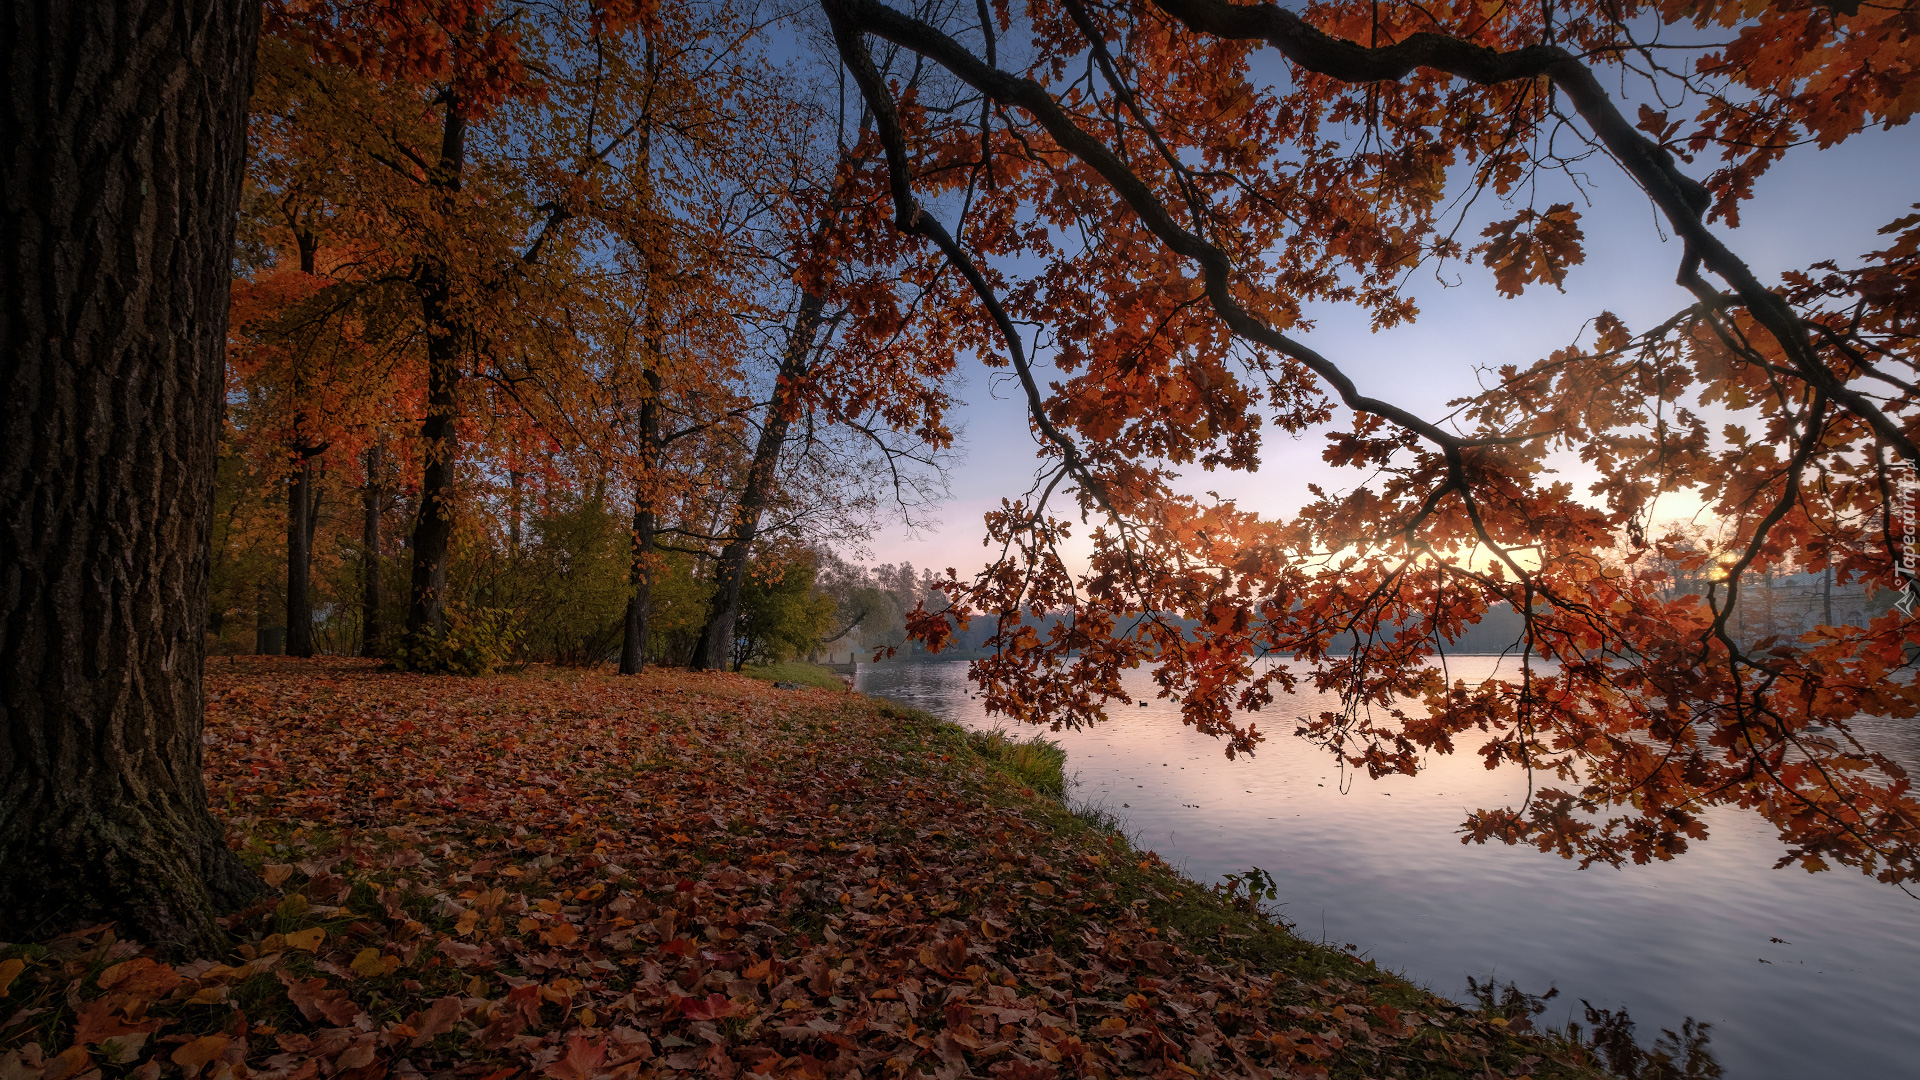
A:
1044	888
561	934
368	964
527	926
308	939
9	971
210	995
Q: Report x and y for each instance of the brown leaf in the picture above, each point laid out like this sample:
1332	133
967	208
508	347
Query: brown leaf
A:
96	1022
139	975
316	1002
438	1019
584	1055
70	1062
194	1056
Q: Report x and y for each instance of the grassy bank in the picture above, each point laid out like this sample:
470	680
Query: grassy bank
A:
582	876
797	671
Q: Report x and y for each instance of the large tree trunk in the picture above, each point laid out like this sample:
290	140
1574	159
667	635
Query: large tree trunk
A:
633	646
439	432
371	497
124	133
715	650
300	558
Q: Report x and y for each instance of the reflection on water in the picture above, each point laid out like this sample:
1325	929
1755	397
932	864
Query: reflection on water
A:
1801	975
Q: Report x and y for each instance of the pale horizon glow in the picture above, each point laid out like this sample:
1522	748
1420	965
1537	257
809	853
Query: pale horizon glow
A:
1854	189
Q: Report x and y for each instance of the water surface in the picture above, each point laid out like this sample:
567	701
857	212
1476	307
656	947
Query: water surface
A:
1379	864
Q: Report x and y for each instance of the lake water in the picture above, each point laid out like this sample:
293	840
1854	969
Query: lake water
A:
1379	864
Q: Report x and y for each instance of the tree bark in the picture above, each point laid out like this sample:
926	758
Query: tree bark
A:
124	133
715	650
633	646
439	432
371	629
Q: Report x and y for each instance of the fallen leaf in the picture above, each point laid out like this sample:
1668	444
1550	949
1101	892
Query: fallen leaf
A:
585	1055
195	1055
70	1062
438	1019
369	964
140	975
98	1021
316	1002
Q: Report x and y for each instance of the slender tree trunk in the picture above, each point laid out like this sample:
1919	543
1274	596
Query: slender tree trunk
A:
1826	598
439	432
124	133
514	479
300	501
633	646
715	650
299	558
370	499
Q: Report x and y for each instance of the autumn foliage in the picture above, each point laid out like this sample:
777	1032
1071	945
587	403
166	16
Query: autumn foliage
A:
1148	197
625	253
583	876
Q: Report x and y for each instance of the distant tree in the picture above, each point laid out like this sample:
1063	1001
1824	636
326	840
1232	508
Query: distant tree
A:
781	615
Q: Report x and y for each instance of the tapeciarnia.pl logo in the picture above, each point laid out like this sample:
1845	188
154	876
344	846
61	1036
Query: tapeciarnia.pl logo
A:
1904	528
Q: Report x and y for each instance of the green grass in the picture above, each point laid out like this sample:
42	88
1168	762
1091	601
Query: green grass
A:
1038	762
796	671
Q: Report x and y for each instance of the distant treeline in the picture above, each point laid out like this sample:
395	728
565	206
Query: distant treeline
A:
1498	631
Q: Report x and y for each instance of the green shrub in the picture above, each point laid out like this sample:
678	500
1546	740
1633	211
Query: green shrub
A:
478	641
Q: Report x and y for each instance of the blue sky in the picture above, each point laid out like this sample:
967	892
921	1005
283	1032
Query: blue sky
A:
1818	204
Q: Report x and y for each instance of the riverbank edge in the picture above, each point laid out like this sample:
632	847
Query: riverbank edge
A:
1232	929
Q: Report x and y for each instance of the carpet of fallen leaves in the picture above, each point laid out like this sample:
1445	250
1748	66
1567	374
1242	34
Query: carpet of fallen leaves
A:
575	876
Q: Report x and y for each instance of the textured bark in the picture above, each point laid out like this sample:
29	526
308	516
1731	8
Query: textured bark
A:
371	497
122	135
715	650
439	432
633	645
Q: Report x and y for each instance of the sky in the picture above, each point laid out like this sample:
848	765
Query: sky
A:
1818	204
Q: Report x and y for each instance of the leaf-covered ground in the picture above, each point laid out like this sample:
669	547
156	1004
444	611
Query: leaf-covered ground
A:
577	876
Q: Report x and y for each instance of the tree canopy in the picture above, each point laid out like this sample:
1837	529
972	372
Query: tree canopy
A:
1155	189
717	260
592	327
